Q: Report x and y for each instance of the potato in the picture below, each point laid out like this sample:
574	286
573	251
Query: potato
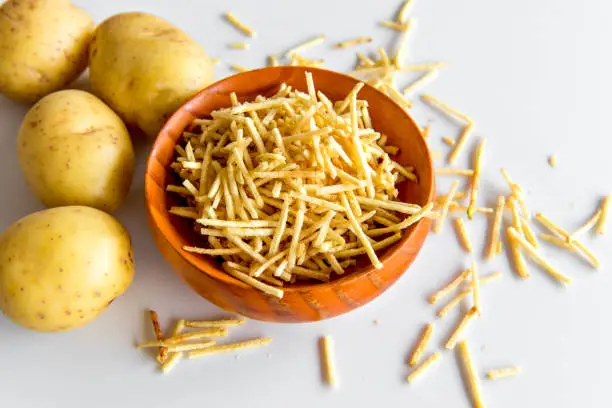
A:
61	267
145	68
74	150
43	46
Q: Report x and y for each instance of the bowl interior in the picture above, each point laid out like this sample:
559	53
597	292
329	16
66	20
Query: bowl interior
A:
387	118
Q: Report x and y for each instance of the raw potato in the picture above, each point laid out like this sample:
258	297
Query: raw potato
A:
43	46
59	268
145	68
74	150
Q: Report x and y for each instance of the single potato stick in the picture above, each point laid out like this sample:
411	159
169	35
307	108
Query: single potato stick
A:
353	42
215	332
418	371
226	348
472	381
605	211
159	335
458	280
240	26
421	345
458	332
503	372
445	206
328	364
496	228
463	236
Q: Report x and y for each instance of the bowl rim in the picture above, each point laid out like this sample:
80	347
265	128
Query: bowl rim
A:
217	272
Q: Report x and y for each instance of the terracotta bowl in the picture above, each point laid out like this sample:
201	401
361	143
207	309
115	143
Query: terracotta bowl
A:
302	302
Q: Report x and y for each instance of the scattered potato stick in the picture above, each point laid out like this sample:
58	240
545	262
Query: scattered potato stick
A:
214	332
472	380
447	109
458	332
200	324
603	219
449	141
552	161
402	15
445	206
239	46
561	243
441	171
236	23
462	235
418	371
353	42
421	345
517	192
453	302
538	258
503	372
420	82
328	366
305	45
159	335
495	229
458	280
476	178
226	348
239	68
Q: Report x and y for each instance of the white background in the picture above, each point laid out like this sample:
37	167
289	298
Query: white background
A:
535	77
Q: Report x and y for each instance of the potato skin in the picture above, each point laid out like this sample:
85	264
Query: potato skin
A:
74	150
61	267
145	68
43	46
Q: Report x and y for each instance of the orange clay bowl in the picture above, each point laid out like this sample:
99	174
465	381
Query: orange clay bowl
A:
306	301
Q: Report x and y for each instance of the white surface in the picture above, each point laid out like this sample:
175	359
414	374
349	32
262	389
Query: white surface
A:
533	74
